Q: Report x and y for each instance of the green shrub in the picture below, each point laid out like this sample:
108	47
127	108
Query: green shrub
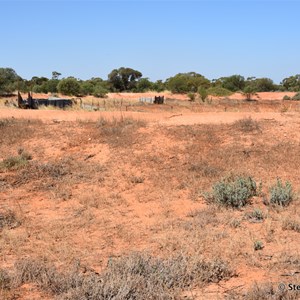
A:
256	215
219	91
203	94
281	194
100	91
13	163
16	162
296	97
258	245
192	96
233	191
286	97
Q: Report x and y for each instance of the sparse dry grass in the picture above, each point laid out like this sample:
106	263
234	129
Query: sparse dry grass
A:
137	276
137	196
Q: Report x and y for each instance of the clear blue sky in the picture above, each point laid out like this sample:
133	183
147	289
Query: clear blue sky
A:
159	38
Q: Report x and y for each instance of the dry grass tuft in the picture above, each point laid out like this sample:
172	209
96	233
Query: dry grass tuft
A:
137	276
246	125
9	219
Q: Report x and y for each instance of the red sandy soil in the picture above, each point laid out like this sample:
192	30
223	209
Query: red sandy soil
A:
63	223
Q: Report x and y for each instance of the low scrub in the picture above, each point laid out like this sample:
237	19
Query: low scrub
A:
233	191
16	162
5	280
281	194
219	91
8	219
246	125
137	276
291	224
296	97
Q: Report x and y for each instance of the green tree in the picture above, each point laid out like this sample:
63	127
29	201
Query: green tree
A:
143	85
123	79
232	83
261	84
69	86
158	86
86	88
100	91
9	80
187	82
292	83
203	94
249	91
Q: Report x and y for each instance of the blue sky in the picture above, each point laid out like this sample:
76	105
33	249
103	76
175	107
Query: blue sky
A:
159	38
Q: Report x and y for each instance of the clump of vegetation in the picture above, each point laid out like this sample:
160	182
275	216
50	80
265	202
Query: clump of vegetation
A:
233	191
137	179
9	220
281	194
246	125
249	91
5	280
203	94
256	215
286	97
192	96
291	224
16	162
219	91
258	245
296	97
138	276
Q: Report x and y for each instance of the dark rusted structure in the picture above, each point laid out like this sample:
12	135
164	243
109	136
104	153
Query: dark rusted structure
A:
31	103
159	99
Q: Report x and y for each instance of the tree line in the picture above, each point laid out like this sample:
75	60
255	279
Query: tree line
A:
130	80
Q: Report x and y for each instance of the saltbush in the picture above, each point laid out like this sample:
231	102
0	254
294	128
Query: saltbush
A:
234	191
281	194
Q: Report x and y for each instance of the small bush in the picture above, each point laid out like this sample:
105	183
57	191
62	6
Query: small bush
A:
203	94
5	280
137	179
192	96
246	125
9	219
13	163
286	97
256	215
281	194
291	224
233	191
219	91
296	97
258	245
16	162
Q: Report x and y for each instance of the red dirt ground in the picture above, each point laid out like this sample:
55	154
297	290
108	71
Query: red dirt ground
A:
107	212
